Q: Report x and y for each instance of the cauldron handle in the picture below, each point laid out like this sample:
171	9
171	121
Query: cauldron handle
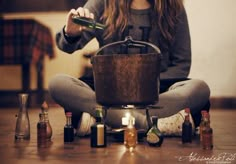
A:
130	43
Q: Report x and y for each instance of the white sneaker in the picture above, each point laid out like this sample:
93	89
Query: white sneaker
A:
84	124
172	126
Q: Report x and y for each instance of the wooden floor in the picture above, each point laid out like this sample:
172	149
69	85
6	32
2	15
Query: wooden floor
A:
172	151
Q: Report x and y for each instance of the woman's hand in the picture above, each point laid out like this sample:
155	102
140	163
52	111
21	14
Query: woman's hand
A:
72	29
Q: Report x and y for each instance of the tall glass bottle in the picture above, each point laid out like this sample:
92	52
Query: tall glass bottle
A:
154	136
68	129
22	130
98	136
130	135
41	131
207	134
187	128
44	108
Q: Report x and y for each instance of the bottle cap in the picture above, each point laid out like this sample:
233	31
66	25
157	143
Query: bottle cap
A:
98	107
154	119
187	110
69	114
203	111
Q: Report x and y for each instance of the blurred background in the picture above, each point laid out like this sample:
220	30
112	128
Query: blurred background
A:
213	44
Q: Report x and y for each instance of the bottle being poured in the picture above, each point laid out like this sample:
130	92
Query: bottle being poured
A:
87	22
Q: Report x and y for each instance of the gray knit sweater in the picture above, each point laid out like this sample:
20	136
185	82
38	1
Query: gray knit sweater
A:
176	57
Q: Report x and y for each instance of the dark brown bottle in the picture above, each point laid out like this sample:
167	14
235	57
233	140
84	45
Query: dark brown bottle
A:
68	129
187	128
154	136
41	131
98	131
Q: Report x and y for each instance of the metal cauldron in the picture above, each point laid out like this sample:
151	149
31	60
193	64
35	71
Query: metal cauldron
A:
127	79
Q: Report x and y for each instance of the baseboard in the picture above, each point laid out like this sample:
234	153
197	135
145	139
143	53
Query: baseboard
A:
9	99
223	102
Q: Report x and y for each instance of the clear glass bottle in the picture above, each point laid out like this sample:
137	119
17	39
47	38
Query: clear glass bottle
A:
187	128
44	108
68	129
98	136
41	131
154	136
130	135
207	134
22	130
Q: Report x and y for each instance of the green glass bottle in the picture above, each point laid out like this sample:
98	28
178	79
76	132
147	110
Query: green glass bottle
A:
87	22
98	130
154	136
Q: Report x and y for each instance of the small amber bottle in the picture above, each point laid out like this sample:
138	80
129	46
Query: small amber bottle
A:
202	123
68	129
130	135
207	134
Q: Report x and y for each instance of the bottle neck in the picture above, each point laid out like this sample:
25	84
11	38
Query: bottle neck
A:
187	118
131	122
41	118
46	116
98	114
68	120
98	119
154	121
23	109
206	118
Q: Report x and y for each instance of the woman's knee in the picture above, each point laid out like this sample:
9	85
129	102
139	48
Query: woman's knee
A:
201	87
57	84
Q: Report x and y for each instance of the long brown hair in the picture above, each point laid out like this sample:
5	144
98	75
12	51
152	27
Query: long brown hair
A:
164	15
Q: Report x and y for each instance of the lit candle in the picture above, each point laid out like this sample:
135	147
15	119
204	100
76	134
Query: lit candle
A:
125	119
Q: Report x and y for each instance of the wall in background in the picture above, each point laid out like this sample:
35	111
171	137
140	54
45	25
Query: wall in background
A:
213	46
212	28
37	5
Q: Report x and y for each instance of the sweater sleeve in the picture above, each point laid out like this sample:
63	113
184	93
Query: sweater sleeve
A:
70	45
179	51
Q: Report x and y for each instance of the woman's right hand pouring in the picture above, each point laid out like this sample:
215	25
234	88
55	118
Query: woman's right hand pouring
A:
71	29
